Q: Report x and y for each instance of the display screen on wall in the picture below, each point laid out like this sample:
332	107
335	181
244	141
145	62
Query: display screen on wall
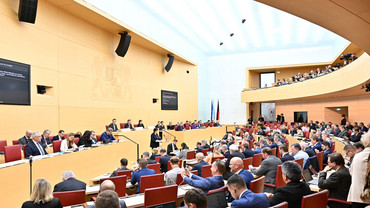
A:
300	117
169	100
14	83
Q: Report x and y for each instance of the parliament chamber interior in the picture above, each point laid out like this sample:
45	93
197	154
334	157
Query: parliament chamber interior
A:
127	103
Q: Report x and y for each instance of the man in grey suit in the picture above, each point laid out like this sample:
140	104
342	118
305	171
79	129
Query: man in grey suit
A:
268	168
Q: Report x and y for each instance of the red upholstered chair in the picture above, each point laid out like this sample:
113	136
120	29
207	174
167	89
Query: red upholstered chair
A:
306	134
98	137
279	179
12	153
127	173
211	149
215	158
300	162
151	181
50	138
76	140
119	182
158	158
68	198
223	188
204	151
56	145
278	155
281	205
156	167
338	200
247	162
206	124
333	146
160	195
257	185
187	127
179	178
274	151
169	167
257	159
135	125
106	127
24	150
190	155
3	143
15	142
206	171
122	125
320	159
317	200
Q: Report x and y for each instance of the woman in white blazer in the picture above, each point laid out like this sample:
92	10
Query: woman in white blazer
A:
358	172
68	143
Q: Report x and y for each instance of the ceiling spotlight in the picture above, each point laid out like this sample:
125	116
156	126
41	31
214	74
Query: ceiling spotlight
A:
243	20
231	34
221	43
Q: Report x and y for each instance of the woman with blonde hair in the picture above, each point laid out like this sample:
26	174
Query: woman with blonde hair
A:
216	153
42	196
68	143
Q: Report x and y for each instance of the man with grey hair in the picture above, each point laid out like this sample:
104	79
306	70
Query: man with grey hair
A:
45	138
204	144
200	163
225	150
69	183
234	152
108	185
291	176
26	138
34	148
146	156
107	136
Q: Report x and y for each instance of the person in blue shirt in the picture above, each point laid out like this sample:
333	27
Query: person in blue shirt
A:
107	136
237	167
284	151
263	143
316	143
257	148
139	171
327	150
245	198
200	163
271	143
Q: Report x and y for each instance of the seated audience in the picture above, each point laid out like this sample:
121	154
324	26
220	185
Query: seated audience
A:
246	151
146	156
304	148
113	125
271	143
34	148
68	144
195	198
350	152
85	140
171	147
69	183
263	143
244	197
107	136
42	196
326	148
216	153
336	130
289	193
225	150
315	143
45	138
184	151
199	147
140	124
179	127
93	138
206	184
205	145
164	160
338	183
200	163
234	152
128	125
170	126
363	127
256	147
60	136
343	132
26	138
356	135
285	156
297	153
106	199
108	185
122	166
171	175
141	170
359	146
155	154
237	167
268	168
154	137
78	135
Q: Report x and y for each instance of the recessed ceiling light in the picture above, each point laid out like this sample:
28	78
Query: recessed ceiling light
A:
243	20
221	43
231	34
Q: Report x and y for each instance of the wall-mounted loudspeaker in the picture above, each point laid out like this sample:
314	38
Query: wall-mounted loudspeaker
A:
123	45
27	11
169	63
41	89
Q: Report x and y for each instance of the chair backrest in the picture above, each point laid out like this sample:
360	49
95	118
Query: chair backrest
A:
223	188
306	134
15	142
76	140
169	167
98	137
3	143
127	173
332	146
119	182
281	205
215	158
68	198
190	155
205	151
160	195
274	151
24	150
122	125
179	178
257	159
300	162
157	158
247	162
156	167
106	127
317	200
56	145
12	153
257	185
320	159
151	181
206	171
279	178
278	155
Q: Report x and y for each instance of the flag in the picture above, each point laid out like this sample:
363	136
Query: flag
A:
218	110
212	113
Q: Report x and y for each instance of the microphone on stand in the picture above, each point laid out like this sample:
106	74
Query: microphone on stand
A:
30	160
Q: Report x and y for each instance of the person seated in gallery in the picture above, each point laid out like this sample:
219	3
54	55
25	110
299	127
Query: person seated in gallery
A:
140	124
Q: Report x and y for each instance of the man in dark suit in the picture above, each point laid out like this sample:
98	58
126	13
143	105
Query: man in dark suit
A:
343	132
271	143
139	171
246	151
199	147
356	137
284	151
164	160
128	124
122	166
268	168
45	138
25	139
153	139
291	176
205	145
338	183
179	127
263	143
34	147
336	130
244	197
171	147
325	146
113	125
237	167
225	151
200	163
69	183
315	143
206	184
146	156
60	136
234	152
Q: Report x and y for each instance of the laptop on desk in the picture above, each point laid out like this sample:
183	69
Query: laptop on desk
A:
308	178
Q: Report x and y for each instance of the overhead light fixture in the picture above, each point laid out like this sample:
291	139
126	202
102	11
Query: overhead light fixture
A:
338	109
231	34
221	43
243	20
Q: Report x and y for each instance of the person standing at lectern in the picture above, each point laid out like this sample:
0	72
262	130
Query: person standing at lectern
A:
153	139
